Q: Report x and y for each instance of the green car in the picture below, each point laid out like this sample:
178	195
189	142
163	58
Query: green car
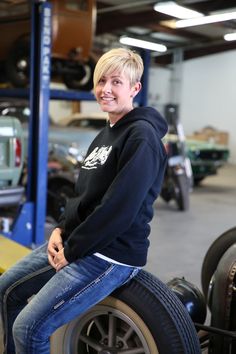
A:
206	158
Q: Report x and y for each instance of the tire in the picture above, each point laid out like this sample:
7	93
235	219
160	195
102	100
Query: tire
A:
143	316
181	191
223	303
18	63
58	193
213	256
83	79
167	190
166	195
198	180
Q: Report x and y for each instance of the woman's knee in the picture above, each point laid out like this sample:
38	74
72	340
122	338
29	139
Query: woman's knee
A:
19	331
22	329
28	334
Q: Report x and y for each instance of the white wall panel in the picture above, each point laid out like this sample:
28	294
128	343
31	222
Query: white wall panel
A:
208	94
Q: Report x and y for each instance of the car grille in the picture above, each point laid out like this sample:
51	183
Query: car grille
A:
213	155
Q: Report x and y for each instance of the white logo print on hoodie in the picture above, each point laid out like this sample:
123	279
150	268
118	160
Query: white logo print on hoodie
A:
97	157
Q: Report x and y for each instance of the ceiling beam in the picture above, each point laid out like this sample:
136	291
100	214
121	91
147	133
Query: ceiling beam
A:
106	23
192	53
177	32
207	6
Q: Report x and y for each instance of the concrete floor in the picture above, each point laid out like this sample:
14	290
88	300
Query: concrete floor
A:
179	240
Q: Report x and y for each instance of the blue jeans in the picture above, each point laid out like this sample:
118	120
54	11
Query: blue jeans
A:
59	297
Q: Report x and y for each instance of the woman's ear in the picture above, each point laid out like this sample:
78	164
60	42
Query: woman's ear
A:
135	89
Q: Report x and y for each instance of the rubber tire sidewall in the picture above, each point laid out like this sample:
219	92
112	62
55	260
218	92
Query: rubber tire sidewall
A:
213	256
182	196
71	82
161	318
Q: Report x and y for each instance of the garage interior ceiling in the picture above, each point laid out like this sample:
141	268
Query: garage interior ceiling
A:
137	18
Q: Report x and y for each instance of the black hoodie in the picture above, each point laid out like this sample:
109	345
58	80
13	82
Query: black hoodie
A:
118	183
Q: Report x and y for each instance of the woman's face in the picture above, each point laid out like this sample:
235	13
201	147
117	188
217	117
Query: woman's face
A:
115	94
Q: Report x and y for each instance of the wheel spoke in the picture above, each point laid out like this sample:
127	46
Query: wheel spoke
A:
89	341
99	326
112	330
128	334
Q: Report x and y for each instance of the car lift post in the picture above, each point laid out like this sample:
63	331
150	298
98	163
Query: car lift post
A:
28	228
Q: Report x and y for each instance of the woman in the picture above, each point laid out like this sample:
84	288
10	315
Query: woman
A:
101	241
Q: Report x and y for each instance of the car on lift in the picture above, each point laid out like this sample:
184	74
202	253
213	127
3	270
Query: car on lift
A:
71	54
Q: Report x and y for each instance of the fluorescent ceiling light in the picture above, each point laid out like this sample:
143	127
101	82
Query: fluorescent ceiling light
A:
230	36
175	10
143	44
206	19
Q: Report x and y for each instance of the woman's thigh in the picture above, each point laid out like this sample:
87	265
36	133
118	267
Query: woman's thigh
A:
28	275
70	292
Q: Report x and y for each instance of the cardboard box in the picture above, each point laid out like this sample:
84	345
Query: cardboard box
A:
211	135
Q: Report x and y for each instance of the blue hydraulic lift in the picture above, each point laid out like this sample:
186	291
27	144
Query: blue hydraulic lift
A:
29	226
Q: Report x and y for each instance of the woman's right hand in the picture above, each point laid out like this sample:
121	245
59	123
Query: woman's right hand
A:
55	244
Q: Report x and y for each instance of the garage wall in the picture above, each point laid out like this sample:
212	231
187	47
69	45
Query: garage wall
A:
208	92
159	88
208	95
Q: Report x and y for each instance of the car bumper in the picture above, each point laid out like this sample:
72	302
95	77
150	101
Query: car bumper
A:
11	196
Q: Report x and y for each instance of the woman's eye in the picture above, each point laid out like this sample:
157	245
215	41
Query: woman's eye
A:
117	82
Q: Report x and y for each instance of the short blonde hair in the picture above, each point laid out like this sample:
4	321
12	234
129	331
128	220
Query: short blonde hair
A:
122	60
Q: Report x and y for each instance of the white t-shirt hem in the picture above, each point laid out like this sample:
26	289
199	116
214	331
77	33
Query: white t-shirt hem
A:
97	254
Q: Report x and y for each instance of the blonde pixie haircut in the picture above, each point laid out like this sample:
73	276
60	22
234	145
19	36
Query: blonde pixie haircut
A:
121	60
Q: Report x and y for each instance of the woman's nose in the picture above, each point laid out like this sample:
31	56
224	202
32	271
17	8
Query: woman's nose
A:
107	87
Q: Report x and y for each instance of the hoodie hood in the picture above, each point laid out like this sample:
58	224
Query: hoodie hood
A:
148	114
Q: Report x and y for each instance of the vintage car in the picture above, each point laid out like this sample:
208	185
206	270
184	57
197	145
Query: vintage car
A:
12	193
206	158
11	161
71	54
